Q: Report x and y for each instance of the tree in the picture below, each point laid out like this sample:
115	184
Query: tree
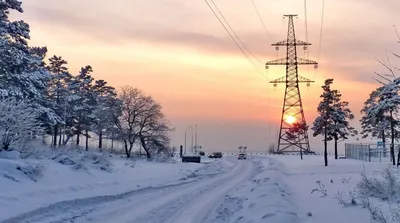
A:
326	109
141	120
18	122
386	107
133	102
341	128
372	125
82	103
23	73
106	106
58	91
153	129
298	130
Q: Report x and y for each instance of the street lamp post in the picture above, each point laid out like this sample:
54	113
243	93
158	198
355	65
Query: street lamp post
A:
195	139
190	127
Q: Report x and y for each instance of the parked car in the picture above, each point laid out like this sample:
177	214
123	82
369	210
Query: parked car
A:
216	155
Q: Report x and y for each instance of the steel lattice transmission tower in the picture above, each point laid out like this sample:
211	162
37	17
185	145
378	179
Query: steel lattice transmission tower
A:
292	111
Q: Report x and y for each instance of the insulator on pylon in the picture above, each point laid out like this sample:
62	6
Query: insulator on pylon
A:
308	84
304	47
316	66
277	48
266	67
275	85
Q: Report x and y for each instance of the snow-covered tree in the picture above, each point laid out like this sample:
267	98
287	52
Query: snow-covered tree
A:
326	109
153	128
386	107
18	123
341	129
22	71
82	100
132	101
373	125
107	105
141	120
334	117
58	92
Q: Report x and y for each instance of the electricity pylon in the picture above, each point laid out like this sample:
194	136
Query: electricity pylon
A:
292	111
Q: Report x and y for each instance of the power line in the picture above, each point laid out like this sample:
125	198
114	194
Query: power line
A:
321	29
232	37
234	33
261	20
306	26
320	32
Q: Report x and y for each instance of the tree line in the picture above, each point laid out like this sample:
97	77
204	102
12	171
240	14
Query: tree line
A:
39	96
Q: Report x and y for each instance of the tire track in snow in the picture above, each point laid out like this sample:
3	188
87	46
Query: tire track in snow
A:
193	203
197	210
73	210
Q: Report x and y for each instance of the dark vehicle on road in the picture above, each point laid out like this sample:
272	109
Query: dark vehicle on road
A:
242	156
215	155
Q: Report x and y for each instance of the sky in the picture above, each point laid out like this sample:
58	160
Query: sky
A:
179	53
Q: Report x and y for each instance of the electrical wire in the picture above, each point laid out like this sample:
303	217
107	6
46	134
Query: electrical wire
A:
306	27
234	33
321	32
232	37
262	21
321	29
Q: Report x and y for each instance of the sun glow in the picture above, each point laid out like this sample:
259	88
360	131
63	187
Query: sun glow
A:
290	119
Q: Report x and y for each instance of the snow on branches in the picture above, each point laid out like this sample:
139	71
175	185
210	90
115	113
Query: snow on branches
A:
380	112
18	123
333	119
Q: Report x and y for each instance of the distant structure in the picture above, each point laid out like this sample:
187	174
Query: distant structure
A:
242	149
292	111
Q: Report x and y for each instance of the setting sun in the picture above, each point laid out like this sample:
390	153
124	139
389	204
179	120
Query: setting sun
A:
290	119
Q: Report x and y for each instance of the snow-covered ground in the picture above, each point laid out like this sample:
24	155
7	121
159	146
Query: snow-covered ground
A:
27	185
260	189
302	176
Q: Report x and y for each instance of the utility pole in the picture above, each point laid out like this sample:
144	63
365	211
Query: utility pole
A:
190	127
195	139
292	111
192	141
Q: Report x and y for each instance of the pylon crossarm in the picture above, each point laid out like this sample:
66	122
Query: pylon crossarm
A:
285	61
283	80
304	80
279	80
291	43
306	61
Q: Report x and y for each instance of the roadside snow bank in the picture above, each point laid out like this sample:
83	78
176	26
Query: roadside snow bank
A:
265	198
27	185
316	187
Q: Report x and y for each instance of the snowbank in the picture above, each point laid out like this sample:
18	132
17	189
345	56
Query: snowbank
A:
315	187
30	184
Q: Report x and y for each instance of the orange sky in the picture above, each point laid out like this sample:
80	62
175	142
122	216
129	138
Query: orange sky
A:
178	52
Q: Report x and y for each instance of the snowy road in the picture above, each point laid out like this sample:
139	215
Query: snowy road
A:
183	202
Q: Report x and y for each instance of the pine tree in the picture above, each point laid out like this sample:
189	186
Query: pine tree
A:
23	74
341	128
106	107
384	109
82	101
58	91
376	125
324	121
